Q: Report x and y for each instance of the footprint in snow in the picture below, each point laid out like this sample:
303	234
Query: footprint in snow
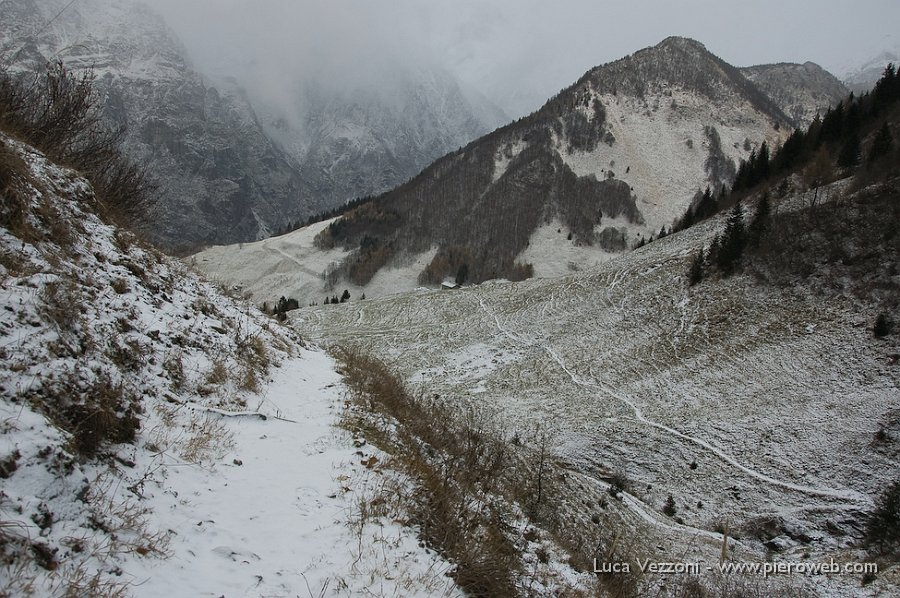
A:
238	556
309	501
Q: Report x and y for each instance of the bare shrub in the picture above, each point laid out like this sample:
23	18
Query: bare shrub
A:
62	305
126	353
16	184
119	285
58	112
218	373
173	366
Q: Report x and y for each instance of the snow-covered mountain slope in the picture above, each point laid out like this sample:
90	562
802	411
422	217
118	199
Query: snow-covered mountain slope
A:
232	167
757	408
800	90
365	140
613	158
159	438
862	78
220	177
292	266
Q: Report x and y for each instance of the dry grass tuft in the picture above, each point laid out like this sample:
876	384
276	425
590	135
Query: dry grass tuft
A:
94	409
208	439
218	373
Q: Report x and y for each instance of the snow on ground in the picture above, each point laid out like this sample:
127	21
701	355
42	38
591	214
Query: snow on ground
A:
754	407
504	156
668	126
291	266
278	514
160	438
553	255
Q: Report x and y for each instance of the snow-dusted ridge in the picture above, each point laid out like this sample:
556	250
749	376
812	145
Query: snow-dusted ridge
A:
613	158
216	468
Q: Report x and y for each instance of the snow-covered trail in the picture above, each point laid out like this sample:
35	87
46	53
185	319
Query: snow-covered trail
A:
272	518
595	384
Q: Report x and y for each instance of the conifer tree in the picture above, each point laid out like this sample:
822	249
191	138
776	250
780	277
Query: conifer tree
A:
882	144
883	527
733	241
849	156
760	221
695	275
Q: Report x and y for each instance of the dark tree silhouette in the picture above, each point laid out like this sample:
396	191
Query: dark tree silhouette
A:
882	144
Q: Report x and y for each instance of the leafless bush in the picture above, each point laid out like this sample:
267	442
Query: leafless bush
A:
119	285
16	183
62	305
58	112
218	373
173	366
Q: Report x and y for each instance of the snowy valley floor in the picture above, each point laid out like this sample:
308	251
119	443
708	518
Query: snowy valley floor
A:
755	409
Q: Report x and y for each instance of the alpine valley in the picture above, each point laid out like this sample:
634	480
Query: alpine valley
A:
644	341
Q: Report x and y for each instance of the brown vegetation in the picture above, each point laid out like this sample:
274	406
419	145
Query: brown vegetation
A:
57	112
468	479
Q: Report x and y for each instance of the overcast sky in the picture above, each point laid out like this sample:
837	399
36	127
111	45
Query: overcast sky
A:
519	52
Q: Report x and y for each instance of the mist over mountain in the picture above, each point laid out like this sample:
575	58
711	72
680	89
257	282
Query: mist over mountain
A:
608	162
612	158
862	77
238	159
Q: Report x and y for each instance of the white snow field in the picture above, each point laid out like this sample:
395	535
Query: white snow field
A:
291	266
754	407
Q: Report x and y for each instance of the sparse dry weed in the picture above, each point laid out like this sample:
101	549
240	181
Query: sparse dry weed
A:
207	438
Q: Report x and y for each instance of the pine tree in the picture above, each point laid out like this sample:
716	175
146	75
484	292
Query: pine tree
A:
463	273
695	275
733	241
882	144
849	156
883	527
346	296
882	326
832	125
762	168
707	206
669	507
760	221
887	90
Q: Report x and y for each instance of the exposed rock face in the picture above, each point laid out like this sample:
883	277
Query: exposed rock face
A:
228	171
800	90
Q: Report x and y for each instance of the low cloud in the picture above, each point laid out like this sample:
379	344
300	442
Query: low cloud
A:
517	52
